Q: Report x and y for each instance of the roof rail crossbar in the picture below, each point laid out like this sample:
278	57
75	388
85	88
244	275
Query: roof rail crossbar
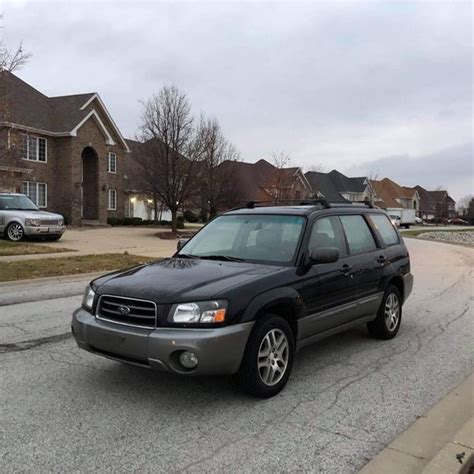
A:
285	202
366	202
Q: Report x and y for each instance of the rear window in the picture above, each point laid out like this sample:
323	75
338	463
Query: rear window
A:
385	228
359	236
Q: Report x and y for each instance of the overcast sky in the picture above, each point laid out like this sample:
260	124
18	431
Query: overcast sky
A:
363	87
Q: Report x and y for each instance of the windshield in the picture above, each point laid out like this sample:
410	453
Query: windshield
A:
270	238
16	203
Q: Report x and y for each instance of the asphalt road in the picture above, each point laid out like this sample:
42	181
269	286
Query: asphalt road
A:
62	409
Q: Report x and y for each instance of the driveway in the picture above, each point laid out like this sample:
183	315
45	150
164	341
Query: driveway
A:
67	410
86	241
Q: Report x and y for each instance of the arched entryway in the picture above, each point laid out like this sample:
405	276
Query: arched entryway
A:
90	184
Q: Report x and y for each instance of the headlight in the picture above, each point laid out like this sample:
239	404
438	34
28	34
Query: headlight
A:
33	222
88	299
203	312
61	221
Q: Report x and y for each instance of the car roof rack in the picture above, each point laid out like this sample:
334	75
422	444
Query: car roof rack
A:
287	202
305	202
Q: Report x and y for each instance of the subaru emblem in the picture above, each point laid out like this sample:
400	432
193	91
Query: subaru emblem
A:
124	310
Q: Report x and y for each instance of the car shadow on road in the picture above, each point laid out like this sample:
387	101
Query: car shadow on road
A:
166	387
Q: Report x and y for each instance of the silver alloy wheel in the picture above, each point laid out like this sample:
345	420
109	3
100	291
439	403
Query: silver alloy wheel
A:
273	357
15	232
392	311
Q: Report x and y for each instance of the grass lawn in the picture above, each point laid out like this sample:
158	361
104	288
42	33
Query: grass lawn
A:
47	267
415	233
26	248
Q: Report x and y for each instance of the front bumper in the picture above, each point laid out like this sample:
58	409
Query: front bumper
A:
219	350
38	231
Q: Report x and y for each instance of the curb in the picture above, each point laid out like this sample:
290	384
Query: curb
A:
77	277
431	440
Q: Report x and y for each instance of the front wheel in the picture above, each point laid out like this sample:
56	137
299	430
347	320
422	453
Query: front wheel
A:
268	358
15	232
389	317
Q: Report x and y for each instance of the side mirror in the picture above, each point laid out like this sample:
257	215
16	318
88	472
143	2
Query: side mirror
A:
181	243
324	255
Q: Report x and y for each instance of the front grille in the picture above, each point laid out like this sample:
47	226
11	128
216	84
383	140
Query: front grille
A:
49	221
128	311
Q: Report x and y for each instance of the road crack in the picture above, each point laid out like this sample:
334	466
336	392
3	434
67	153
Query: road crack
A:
27	345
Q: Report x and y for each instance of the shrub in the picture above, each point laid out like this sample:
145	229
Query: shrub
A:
189	216
203	216
114	221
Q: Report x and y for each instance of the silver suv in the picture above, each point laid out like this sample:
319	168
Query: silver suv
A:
20	218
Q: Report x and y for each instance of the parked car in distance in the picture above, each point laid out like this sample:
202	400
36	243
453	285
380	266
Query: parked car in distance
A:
20	218
248	290
458	221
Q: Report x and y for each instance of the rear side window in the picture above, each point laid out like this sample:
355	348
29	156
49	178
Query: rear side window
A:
385	228
327	232
358	234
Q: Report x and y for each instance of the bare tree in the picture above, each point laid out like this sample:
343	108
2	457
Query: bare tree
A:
463	204
12	59
216	177
280	161
371	193
169	149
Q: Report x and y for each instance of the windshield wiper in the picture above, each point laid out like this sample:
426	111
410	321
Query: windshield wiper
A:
226	258
186	255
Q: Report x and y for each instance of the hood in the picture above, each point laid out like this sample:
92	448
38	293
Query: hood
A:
34	214
177	280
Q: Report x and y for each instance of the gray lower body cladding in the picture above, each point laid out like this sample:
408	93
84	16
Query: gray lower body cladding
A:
219	350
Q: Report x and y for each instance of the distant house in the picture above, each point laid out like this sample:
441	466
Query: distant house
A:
389	195
436	204
66	153
261	181
138	198
337	187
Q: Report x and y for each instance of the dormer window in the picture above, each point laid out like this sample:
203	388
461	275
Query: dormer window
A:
112	163
34	148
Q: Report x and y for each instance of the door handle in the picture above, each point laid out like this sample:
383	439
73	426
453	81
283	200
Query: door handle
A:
381	259
346	269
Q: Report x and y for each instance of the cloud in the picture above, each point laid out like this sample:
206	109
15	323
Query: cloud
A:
452	169
333	83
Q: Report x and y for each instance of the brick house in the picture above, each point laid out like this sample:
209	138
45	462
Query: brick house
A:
390	196
337	187
66	153
262	181
436	204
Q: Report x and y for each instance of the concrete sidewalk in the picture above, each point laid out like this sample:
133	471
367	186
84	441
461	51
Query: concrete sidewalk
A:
435	443
134	240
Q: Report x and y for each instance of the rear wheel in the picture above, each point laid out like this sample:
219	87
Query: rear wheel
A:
268	358
15	232
389	317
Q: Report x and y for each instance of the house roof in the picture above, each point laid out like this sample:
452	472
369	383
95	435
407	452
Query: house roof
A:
28	108
384	191
332	184
258	178
429	198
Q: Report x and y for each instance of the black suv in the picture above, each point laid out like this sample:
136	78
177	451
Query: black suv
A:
250	288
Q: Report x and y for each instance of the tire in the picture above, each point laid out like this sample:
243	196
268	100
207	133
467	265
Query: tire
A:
15	232
389	316
265	369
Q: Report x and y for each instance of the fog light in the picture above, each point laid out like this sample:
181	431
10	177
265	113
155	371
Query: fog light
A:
188	359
